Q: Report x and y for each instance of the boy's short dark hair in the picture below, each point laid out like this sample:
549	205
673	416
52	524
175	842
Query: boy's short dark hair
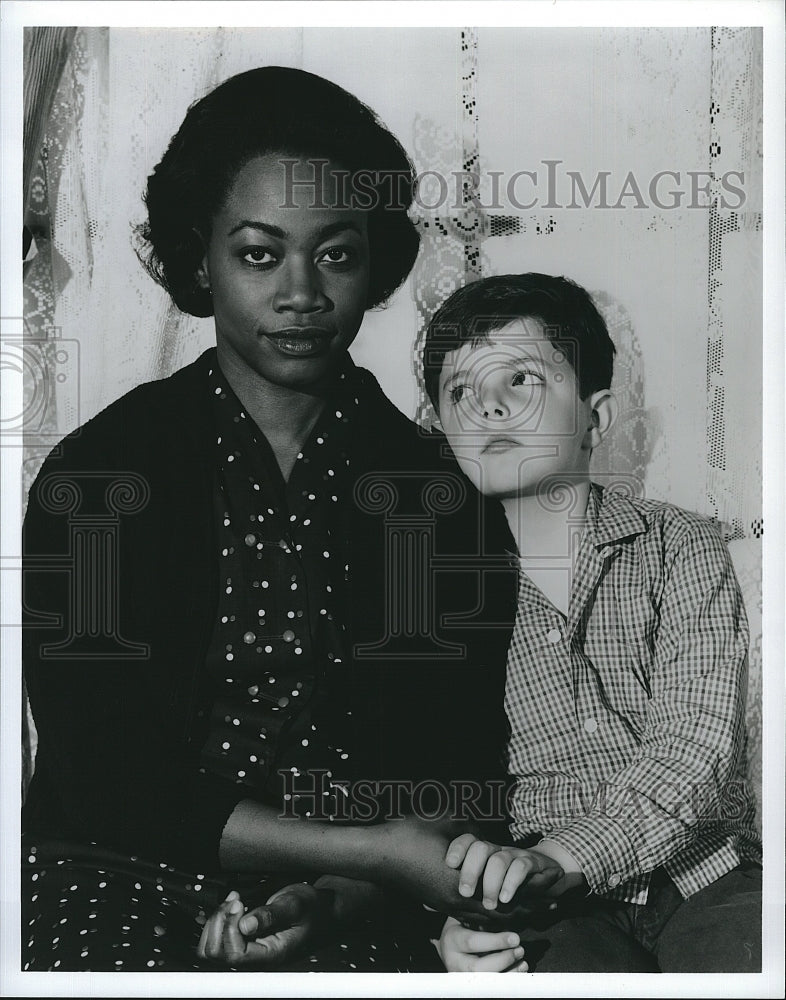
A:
570	319
273	109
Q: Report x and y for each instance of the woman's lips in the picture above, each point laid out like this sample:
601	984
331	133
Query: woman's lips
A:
301	342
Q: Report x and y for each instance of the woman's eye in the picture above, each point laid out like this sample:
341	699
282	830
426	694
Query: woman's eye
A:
258	256
336	255
526	378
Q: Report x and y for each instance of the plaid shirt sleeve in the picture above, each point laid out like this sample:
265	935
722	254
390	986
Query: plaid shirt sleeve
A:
654	807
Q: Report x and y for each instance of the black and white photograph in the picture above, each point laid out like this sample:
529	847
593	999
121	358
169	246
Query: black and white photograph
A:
392	413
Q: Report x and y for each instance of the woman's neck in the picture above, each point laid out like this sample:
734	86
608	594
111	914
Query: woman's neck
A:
285	415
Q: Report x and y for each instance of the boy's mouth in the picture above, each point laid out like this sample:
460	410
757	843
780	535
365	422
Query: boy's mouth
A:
500	444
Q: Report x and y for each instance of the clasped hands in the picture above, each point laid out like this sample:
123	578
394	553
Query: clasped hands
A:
268	935
480	884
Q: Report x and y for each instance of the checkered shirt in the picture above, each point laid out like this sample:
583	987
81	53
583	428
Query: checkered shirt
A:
627	717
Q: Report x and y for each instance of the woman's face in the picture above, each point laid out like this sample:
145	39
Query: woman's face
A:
288	268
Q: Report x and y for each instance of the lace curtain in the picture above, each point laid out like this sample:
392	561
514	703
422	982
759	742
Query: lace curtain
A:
680	287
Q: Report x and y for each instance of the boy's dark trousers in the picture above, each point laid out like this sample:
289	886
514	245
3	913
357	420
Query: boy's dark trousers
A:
718	929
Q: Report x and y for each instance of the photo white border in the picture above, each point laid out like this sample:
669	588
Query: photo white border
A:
14	15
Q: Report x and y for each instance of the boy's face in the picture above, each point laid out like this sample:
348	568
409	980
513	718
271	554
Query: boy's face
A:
511	411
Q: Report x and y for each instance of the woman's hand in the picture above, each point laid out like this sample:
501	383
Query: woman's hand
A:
292	921
465	950
410	856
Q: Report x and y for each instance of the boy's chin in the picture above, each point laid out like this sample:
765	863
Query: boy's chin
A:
502	488
493	486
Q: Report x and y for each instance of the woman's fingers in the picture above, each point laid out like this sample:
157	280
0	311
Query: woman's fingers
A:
266	935
211	939
282	927
541	881
457	850
248	924
279	947
473	865
234	943
263	936
282	910
204	937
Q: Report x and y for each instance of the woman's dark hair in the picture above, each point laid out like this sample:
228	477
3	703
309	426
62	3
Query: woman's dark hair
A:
569	317
273	109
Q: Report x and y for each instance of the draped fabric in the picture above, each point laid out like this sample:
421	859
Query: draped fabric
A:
679	286
46	53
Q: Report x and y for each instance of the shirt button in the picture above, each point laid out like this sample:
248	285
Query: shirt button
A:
250	539
554	635
614	880
288	636
590	725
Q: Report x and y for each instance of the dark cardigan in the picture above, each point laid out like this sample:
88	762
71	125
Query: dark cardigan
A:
121	713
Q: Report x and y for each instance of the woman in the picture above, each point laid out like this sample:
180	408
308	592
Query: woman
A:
251	666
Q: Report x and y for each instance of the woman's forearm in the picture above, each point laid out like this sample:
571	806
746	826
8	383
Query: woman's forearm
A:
407	855
257	838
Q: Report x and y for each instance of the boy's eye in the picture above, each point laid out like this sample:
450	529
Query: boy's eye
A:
336	255
258	256
526	378
457	393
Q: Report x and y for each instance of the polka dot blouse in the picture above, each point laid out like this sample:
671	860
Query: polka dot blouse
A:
278	644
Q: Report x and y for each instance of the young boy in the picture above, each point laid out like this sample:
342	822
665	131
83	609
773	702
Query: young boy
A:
626	669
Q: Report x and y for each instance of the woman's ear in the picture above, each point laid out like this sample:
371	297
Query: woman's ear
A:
203	272
603	412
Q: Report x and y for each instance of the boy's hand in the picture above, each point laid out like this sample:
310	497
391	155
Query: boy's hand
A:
504	869
273	934
464	950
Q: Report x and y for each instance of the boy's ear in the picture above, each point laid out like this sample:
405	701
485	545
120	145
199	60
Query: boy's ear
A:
603	412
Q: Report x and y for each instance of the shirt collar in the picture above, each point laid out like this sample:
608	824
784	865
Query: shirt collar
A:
611	517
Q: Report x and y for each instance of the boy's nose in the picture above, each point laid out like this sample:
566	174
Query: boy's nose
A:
493	405
494	411
492	396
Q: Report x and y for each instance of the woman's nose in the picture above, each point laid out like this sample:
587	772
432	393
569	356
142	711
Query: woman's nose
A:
300	290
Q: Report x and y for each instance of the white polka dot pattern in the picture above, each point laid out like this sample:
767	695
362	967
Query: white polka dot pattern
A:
272	666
